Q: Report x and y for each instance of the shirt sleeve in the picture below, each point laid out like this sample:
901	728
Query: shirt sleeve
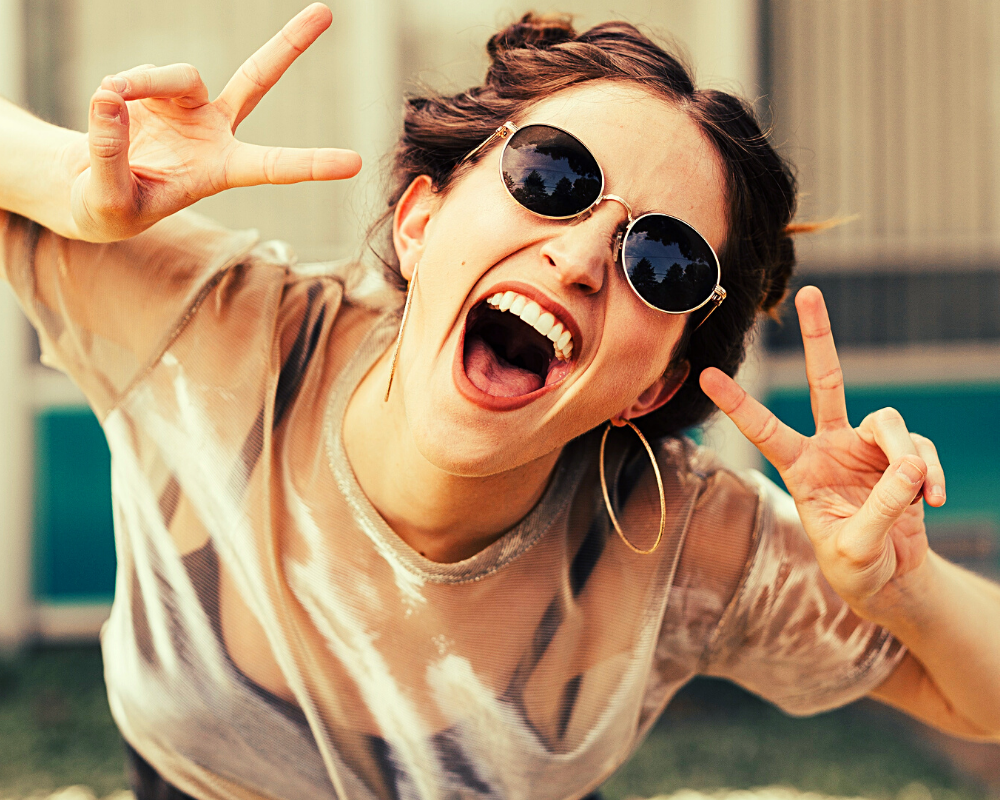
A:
105	312
785	634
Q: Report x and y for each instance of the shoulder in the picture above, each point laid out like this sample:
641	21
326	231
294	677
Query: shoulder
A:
723	532
328	307
728	502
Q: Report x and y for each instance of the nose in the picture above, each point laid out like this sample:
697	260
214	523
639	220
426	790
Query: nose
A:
582	251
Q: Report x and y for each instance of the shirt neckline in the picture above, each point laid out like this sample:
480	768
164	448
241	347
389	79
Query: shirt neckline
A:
562	487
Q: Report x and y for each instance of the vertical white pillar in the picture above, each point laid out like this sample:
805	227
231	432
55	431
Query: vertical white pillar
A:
726	50
15	410
727	45
377	92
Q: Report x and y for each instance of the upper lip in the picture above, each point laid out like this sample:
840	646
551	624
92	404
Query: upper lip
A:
560	312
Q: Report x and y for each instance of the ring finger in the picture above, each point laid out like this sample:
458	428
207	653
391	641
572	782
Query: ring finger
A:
886	429
934	491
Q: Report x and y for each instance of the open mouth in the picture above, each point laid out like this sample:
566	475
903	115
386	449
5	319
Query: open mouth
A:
513	347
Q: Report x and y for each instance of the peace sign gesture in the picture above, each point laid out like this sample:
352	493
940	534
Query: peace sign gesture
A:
857	490
156	144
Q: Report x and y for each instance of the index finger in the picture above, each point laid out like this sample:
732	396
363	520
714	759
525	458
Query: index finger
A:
778	443
823	372
263	69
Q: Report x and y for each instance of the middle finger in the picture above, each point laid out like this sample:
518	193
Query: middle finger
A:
823	372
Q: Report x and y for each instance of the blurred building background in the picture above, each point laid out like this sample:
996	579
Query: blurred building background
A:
890	110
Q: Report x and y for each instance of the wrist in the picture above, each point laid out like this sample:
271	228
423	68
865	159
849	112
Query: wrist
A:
72	158
40	162
904	604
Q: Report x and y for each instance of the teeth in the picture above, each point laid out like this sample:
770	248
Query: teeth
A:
532	311
542	321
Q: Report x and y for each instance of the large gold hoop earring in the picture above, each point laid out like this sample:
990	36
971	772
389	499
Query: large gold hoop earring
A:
659	486
399	336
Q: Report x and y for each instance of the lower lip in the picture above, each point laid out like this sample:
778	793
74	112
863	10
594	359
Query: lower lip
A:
490	402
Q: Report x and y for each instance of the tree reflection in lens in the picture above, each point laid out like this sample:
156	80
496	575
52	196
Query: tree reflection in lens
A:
670	266
550	172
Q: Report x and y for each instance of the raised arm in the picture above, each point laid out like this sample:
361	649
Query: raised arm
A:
860	493
156	144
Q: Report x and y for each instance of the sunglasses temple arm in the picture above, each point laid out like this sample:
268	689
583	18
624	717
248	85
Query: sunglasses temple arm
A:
502	132
717	297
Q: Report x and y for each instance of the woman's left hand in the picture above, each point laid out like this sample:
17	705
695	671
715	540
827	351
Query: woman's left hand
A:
857	490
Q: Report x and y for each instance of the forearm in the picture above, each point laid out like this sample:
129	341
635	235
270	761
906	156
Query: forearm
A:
38	163
949	618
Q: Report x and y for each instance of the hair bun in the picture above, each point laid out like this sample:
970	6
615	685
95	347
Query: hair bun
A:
532	30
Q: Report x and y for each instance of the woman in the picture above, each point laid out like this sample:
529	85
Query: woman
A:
360	557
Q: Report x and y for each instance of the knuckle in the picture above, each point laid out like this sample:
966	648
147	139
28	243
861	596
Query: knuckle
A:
848	550
108	206
296	46
251	69
112	206
106	146
885	504
189	74
818	332
270	165
767	429
888	416
924	442
833	379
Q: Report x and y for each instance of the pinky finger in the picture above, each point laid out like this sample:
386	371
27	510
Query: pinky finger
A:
934	491
252	165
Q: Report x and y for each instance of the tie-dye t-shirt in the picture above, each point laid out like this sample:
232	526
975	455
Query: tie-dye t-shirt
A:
272	637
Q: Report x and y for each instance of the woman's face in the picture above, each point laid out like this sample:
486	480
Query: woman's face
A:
483	395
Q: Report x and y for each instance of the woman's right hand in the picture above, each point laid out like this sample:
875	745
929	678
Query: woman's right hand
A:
157	144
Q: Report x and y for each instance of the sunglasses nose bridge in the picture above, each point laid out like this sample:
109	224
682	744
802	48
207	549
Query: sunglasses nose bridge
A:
617	199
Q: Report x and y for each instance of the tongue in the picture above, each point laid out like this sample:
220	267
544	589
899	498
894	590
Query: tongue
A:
491	374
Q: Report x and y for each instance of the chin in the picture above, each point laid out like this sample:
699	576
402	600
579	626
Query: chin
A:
466	445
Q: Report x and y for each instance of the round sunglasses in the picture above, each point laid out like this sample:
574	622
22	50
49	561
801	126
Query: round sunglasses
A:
551	173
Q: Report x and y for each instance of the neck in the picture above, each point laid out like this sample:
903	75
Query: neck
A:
442	516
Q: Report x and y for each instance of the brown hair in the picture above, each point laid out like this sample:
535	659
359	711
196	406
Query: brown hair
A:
539	55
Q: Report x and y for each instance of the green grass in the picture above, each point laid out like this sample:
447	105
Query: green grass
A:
55	726
56	730
716	736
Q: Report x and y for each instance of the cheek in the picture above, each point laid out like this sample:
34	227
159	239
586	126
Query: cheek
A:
636	350
639	336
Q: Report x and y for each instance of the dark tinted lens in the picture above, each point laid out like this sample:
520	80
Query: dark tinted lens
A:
668	263
549	172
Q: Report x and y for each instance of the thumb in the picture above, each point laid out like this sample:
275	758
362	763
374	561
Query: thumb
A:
109	193
890	497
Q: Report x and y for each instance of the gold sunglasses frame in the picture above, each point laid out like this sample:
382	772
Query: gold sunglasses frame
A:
508	129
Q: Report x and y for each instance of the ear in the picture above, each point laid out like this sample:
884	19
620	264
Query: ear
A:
410	223
657	395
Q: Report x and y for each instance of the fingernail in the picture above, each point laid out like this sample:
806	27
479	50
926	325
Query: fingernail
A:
119	84
909	471
937	491
107	110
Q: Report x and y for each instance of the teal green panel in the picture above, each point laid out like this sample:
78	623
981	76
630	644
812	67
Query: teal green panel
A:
963	422
74	548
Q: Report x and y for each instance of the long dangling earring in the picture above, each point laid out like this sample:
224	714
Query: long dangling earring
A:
659	486
399	336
